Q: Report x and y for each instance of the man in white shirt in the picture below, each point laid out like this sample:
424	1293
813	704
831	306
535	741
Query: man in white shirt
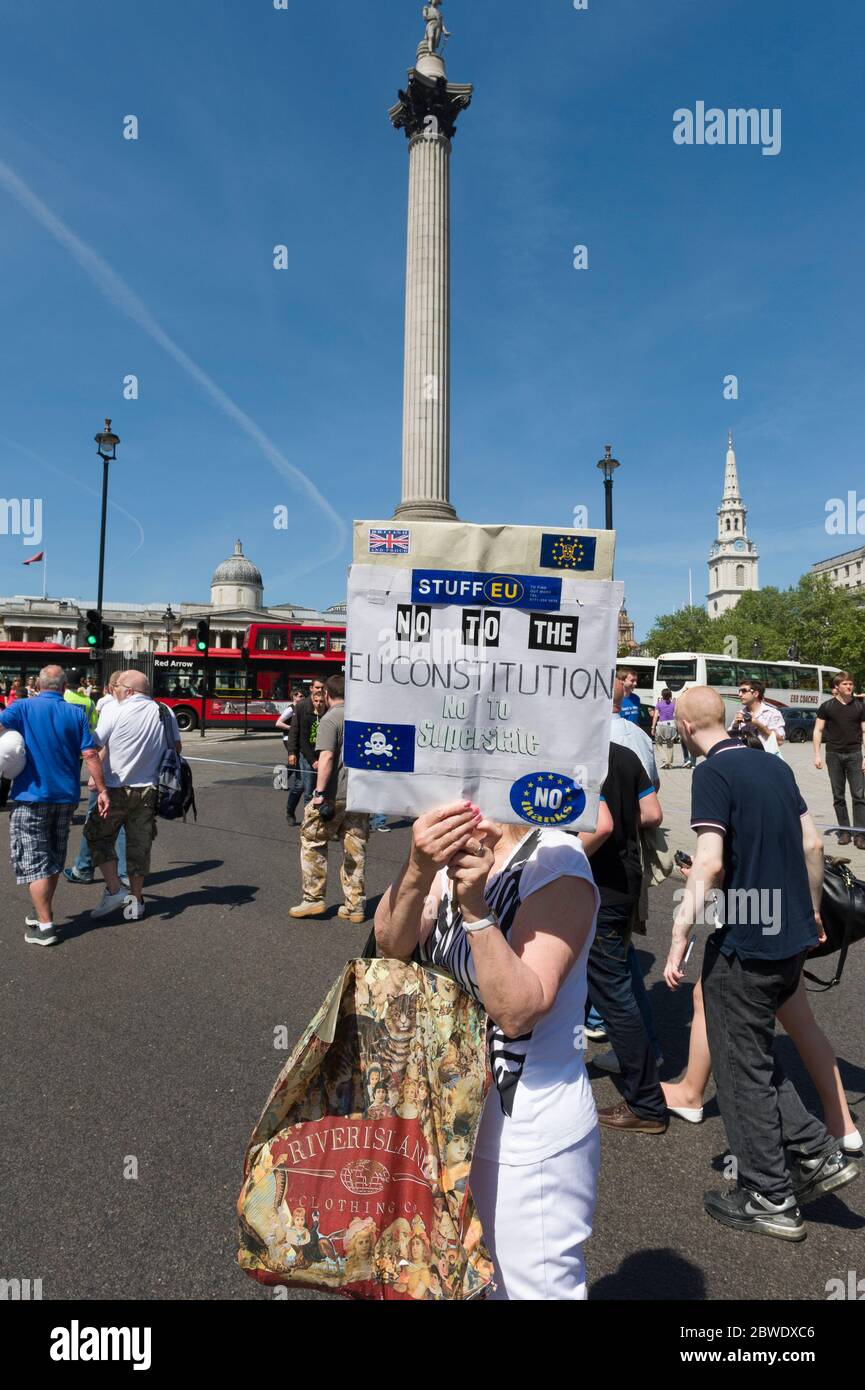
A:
134	737
764	719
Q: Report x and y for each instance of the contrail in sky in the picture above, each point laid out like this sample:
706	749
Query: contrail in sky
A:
122	297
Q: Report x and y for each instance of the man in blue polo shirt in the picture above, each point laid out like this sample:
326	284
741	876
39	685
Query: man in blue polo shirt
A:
47	791
756	840
630	704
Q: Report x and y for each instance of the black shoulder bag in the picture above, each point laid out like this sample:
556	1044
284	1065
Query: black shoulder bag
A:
842	909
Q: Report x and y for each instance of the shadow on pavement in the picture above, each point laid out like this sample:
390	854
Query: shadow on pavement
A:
164	909
187	869
652	1276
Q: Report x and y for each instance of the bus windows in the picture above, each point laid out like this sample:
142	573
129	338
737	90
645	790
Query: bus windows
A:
308	641
275	640
721	673
226	682
674	673
756	671
807	678
337	644
174	684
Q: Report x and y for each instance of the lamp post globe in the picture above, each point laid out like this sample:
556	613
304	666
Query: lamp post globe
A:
608	466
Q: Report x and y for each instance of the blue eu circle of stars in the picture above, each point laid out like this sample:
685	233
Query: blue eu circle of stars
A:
529	798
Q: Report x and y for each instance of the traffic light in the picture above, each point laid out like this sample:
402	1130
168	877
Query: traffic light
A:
107	636
202	640
94	628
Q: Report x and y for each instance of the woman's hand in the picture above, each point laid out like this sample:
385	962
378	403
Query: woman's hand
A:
470	868
439	834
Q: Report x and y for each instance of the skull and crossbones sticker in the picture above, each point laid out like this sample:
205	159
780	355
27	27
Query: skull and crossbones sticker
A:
377	746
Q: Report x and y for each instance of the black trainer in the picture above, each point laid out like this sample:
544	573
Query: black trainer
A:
35	936
743	1210
812	1177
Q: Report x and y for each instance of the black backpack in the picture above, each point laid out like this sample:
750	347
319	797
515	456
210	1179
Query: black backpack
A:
174	790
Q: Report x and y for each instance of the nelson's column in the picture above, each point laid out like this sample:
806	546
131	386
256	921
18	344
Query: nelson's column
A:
427	111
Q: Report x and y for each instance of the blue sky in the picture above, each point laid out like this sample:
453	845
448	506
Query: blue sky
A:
260	127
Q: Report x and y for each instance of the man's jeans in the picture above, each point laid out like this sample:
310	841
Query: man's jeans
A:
594	1019
84	862
304	785
844	768
759	1105
612	992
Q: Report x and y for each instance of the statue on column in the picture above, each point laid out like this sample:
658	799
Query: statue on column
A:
436	32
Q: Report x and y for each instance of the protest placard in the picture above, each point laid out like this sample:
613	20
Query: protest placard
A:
486	682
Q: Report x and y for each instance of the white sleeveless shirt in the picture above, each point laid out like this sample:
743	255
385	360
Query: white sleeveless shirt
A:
542	1100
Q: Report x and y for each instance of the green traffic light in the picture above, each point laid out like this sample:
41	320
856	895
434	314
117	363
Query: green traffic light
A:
91	641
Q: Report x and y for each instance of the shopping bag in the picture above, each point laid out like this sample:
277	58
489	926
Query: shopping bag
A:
356	1176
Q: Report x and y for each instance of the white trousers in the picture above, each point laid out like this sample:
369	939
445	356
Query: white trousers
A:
536	1218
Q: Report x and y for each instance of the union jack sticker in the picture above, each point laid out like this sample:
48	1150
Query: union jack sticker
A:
386	541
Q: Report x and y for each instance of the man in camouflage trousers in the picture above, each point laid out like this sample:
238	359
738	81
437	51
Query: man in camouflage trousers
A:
327	819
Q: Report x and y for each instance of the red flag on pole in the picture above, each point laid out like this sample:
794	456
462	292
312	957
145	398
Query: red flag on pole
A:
34	558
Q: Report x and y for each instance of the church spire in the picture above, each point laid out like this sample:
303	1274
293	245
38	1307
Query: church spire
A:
731	476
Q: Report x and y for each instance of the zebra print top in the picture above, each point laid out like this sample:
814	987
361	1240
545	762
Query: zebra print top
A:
545	1102
448	947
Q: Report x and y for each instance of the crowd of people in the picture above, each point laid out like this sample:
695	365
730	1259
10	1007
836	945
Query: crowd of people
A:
122	743
539	926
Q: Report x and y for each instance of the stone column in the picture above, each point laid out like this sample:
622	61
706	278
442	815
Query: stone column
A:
427	111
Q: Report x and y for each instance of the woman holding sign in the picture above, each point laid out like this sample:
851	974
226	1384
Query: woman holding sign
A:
509	912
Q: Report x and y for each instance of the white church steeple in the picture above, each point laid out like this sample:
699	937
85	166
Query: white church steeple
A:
733	557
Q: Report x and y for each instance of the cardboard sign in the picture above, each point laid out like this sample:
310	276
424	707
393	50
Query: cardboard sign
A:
485	683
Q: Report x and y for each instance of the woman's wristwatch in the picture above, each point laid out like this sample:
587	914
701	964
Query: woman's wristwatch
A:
490	921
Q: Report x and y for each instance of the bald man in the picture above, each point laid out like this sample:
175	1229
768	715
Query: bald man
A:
756	838
134	731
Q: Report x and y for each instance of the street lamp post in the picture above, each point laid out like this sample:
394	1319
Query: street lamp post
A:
608	466
106	447
168	619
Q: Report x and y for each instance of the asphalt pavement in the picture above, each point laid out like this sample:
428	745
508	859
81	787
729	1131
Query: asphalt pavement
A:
137	1058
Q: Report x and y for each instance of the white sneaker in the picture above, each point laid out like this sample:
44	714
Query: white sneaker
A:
109	902
134	910
852	1144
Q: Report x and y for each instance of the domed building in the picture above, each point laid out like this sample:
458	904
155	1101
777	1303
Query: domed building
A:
237	583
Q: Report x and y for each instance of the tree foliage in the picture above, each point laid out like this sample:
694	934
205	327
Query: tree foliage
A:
828	625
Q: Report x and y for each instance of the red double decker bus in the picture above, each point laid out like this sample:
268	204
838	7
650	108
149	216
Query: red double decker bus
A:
234	687
26	659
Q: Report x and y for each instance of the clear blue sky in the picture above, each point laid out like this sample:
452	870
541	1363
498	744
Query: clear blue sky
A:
260	127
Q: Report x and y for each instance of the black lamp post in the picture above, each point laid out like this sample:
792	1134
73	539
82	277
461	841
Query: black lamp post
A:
106	447
608	466
169	619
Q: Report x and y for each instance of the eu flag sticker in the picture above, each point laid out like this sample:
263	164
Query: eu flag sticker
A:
378	747
547	798
568	552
